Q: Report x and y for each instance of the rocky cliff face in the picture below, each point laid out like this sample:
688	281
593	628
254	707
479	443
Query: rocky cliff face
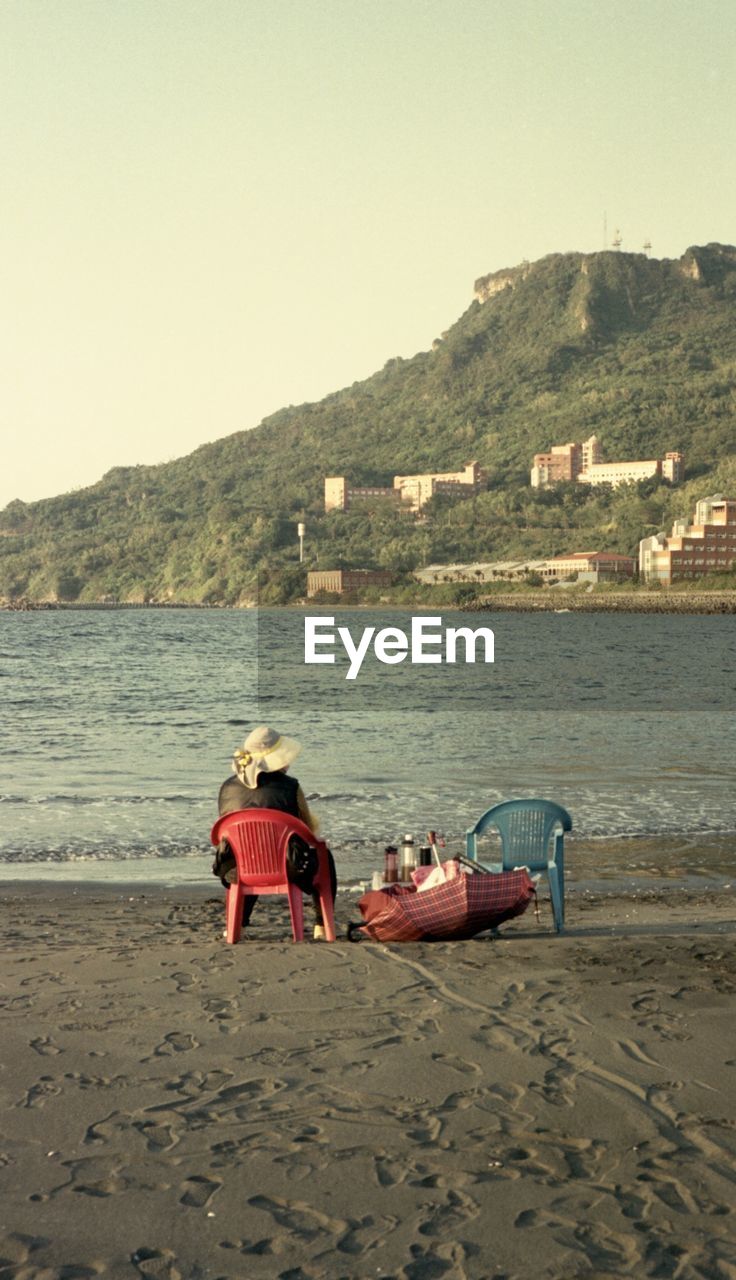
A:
710	265
497	281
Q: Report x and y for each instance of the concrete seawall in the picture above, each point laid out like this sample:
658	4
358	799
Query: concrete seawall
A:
620	602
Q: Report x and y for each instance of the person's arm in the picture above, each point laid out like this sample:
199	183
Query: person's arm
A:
305	812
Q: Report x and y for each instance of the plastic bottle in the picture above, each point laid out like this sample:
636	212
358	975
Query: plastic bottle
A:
408	859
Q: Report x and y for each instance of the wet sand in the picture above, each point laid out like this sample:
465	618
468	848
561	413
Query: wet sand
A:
531	1106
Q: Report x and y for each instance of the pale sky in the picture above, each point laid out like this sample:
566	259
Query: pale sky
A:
214	209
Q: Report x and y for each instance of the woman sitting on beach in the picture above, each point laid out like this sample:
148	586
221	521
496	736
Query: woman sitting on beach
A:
261	781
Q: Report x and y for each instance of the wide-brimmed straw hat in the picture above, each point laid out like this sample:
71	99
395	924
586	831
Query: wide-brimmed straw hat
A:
264	751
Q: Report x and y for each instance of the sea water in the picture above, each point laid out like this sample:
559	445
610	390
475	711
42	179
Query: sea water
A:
118	727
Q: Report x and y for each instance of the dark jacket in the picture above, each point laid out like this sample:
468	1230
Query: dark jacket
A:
274	791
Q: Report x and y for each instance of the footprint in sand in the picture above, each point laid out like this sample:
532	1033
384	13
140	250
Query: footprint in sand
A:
16	1250
299	1218
183	980
605	1250
452	1060
159	1137
431	1264
155	1264
101	1190
109	1127
38	1094
534	1218
18	1247
220	1009
267	1057
266	1247
634	1050
446	1218
193	1083
175	1042
240	1098
199	1191
364	1234
355	1069
45	1046
387	1171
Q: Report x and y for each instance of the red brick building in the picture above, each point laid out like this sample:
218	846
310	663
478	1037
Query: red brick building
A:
339	581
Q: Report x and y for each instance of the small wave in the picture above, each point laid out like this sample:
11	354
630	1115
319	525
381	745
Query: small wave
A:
74	853
112	801
361	796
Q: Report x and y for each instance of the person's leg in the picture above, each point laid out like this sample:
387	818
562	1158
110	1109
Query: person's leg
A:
249	901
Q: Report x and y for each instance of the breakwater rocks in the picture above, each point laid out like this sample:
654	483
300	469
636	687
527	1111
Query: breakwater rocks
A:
28	606
620	602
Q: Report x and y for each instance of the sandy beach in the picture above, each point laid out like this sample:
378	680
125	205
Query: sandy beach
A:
505	1109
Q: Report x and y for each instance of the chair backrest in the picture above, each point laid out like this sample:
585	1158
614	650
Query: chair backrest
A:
526	828
259	839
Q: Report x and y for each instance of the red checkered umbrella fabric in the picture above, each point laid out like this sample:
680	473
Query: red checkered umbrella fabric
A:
459	908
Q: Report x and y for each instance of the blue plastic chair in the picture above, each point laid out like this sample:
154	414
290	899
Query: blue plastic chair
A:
527	828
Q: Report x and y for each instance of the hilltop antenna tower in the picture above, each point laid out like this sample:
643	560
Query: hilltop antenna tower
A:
647	246
605	229
617	241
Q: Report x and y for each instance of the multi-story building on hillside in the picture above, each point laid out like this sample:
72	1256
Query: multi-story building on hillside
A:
338	581
708	545
583	462
417	490
615	473
341	496
410	492
564	462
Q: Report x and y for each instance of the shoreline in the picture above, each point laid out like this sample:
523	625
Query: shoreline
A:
717	602
570	601
603	865
633	891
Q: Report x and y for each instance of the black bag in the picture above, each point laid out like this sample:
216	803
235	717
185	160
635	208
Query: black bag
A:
224	861
301	863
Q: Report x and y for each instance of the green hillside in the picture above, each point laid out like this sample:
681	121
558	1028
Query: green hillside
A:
639	351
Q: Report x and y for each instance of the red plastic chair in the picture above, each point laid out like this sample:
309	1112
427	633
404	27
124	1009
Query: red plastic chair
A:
259	839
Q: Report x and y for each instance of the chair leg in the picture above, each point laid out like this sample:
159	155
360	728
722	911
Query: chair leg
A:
296	907
557	895
328	913
233	912
560	864
324	888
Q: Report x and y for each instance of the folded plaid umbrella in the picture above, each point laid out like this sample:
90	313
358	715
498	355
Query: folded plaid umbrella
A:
460	908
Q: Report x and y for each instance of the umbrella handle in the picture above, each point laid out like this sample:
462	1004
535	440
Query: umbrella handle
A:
432	839
473	867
